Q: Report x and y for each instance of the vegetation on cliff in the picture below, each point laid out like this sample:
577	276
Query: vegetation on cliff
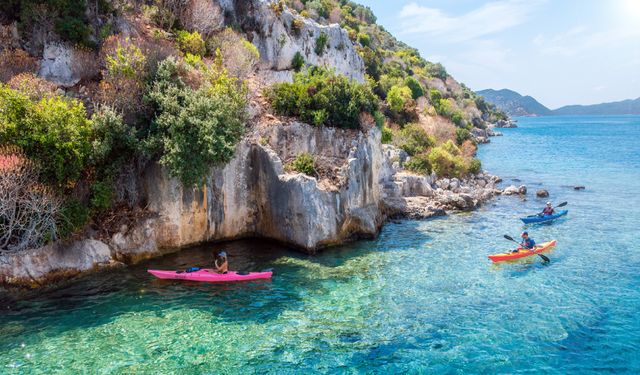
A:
172	92
170	87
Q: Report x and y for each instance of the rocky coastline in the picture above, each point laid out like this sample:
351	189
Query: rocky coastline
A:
360	183
363	186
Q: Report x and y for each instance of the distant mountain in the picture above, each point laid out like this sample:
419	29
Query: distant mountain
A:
625	107
514	104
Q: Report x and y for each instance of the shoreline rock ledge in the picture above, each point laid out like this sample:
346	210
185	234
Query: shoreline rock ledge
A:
362	185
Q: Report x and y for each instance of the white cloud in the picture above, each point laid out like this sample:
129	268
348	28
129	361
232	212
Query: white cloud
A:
579	39
490	18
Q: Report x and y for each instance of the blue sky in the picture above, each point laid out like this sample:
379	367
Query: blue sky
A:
560	52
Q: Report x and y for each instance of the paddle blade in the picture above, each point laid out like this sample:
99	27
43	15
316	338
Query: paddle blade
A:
545	258
509	238
562	204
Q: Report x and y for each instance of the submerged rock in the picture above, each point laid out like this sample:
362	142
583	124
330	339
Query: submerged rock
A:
542	193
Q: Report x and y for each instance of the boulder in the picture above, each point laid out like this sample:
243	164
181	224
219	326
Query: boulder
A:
511	190
56	64
542	193
578	188
31	267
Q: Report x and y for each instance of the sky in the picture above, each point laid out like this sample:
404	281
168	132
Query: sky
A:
560	52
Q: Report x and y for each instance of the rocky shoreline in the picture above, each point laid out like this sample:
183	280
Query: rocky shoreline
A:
364	185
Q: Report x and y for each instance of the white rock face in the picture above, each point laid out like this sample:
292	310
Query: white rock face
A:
252	195
278	40
56	65
31	265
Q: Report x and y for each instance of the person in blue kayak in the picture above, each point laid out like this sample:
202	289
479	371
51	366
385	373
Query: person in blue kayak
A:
221	263
548	209
527	243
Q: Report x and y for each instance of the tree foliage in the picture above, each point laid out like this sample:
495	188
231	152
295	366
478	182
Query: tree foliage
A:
321	97
195	129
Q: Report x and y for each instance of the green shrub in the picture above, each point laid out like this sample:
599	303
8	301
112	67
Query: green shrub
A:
387	135
193	60
303	163
102	193
398	97
444	107
114	142
450	147
68	18
434	96
297	62
127	61
321	43
445	164
458	119
415	140
379	119
191	42
364	39
462	135
419	164
415	87
437	70
54	132
195	129
317	89
475	166
73	216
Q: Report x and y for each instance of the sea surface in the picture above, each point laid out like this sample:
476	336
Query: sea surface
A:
421	298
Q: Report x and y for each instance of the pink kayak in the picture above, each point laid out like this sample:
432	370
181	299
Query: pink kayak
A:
210	276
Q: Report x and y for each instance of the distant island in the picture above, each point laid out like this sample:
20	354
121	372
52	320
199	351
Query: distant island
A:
514	104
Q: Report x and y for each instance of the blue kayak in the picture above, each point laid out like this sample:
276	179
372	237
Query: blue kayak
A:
543	218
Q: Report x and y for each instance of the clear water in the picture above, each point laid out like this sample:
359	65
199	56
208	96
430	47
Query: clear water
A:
421	298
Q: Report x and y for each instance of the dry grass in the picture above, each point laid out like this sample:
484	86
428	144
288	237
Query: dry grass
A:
31	85
16	61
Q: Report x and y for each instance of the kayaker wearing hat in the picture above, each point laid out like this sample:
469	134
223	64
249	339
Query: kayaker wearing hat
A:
527	242
548	209
220	262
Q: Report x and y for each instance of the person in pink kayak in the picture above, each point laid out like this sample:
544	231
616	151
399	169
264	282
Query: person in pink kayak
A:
221	263
548	209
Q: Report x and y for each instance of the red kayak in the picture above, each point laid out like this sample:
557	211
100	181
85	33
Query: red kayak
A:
210	276
522	253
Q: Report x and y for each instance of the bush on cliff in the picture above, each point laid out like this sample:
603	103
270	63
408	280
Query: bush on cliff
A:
414	140
419	164
54	132
194	129
321	97
303	163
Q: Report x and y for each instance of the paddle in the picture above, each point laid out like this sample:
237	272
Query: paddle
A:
541	256
560	205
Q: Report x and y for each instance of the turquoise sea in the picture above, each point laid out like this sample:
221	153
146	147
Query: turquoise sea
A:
422	298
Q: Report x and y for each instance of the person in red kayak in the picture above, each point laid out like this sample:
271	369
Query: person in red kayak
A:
527	243
221	263
548	209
